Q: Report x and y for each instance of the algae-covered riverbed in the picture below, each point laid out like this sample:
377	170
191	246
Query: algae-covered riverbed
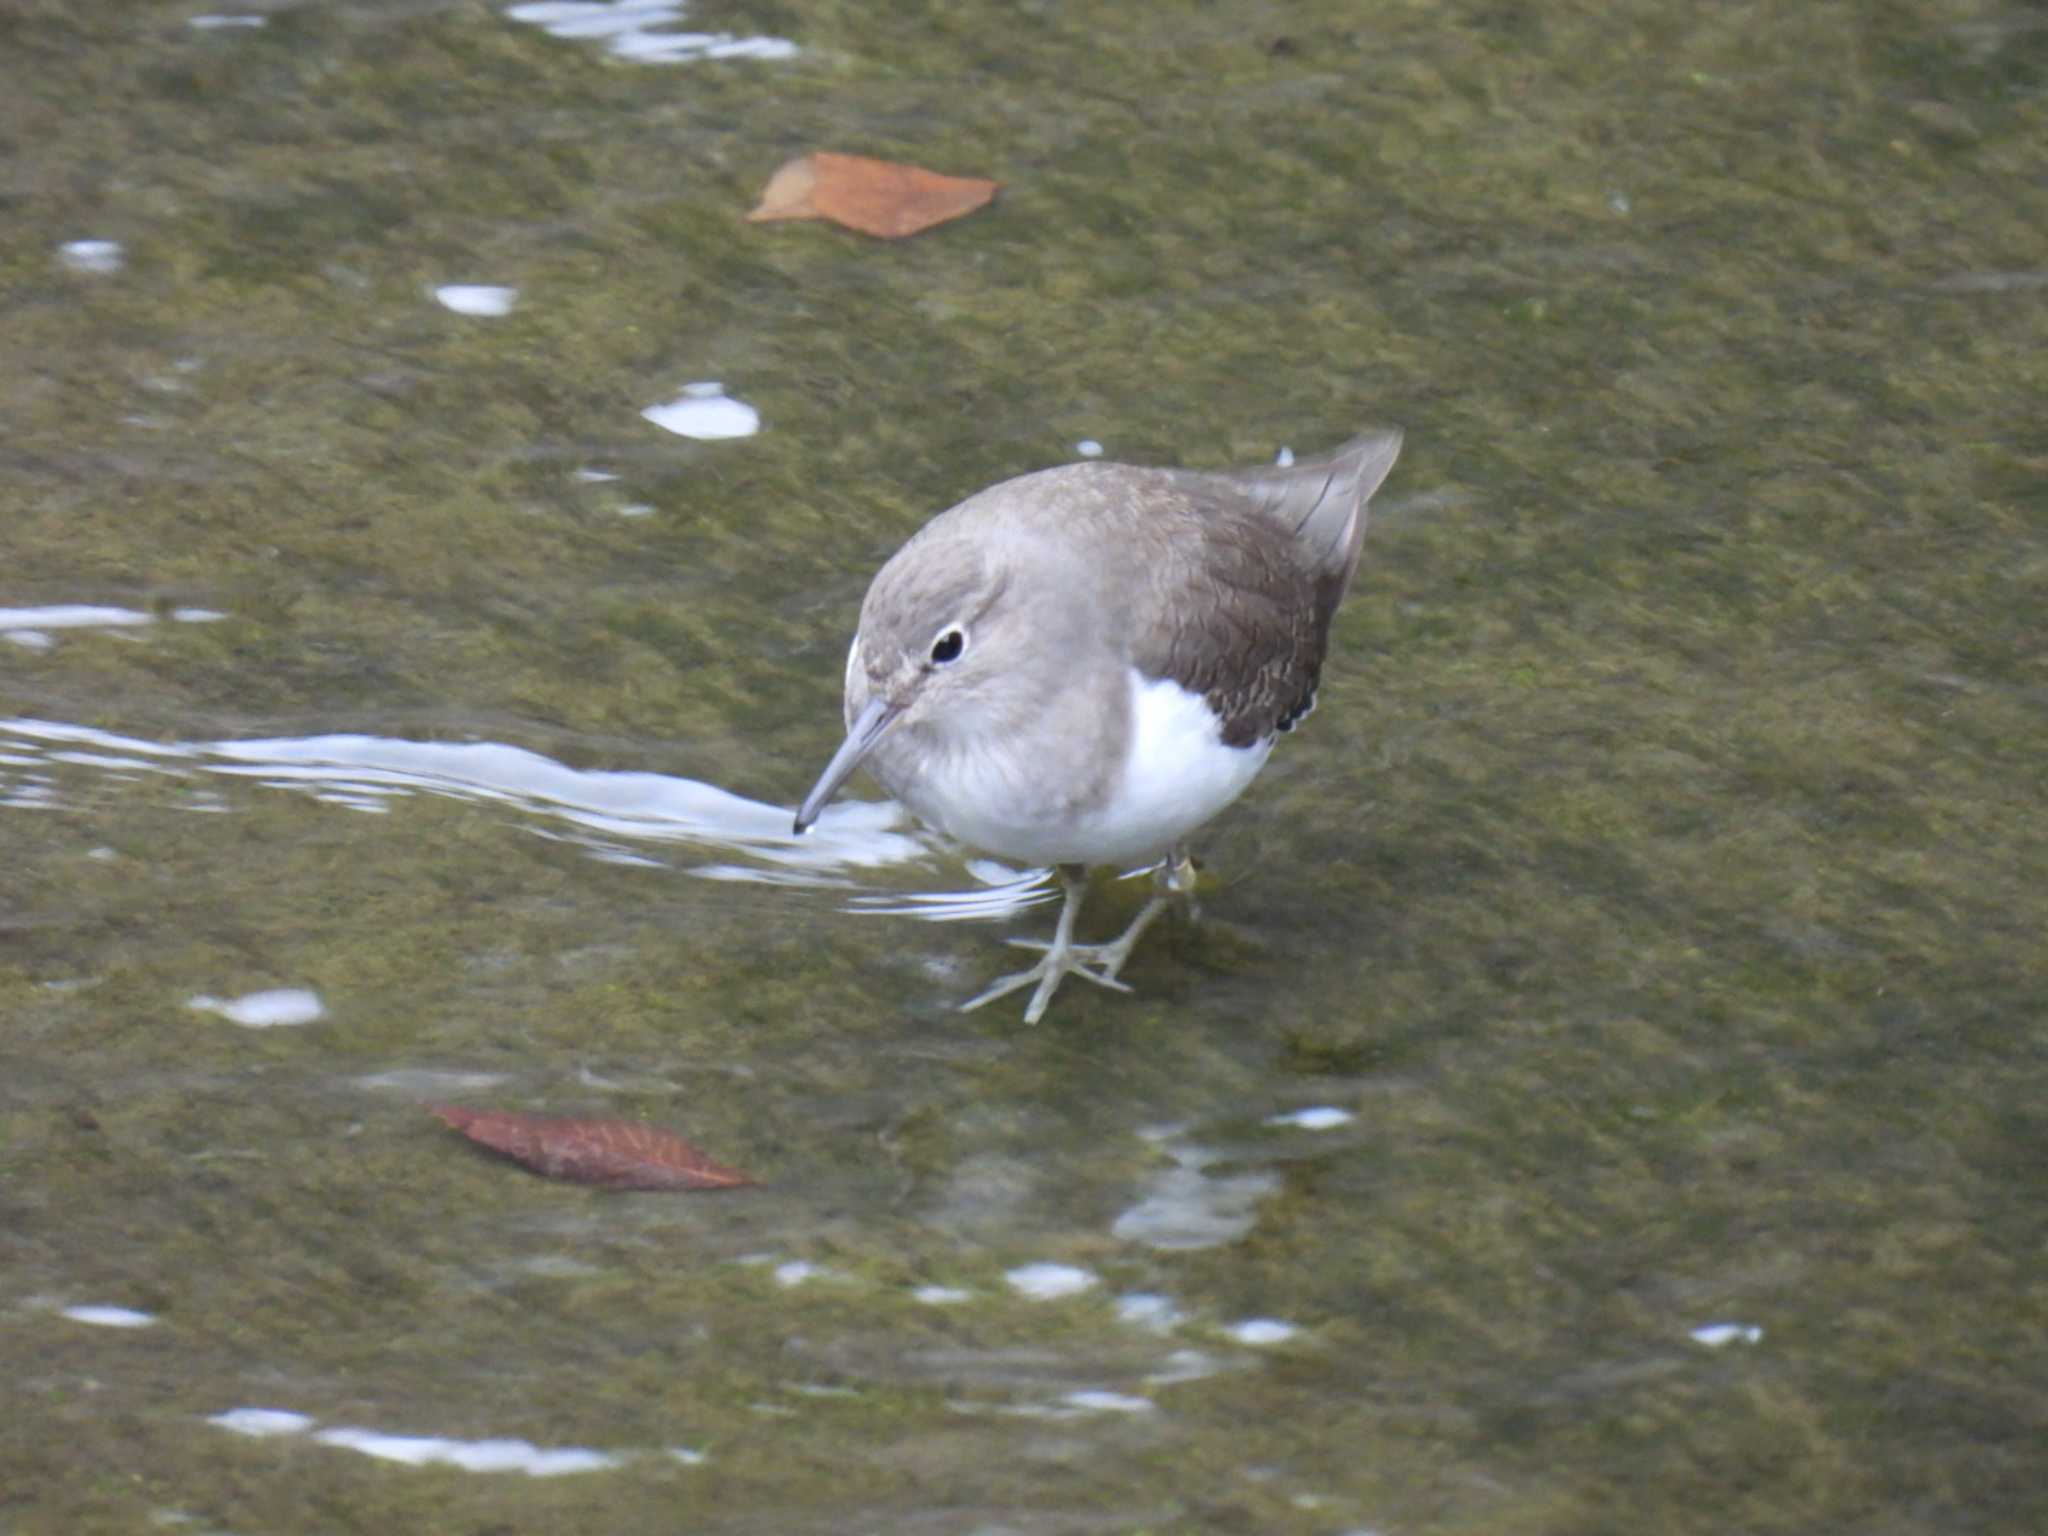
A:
1604	1089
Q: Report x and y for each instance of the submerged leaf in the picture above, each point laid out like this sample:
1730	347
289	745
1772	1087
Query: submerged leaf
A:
876	197
614	1154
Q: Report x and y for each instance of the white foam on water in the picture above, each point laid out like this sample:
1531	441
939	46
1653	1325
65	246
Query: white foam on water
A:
222	23
1262	1330
477	299
706	412
1049	1282
100	258
30	628
493	1455
468	1455
1095	1400
109	1317
1720	1335
428	1083
631	29
262	1423
127	767
941	1295
94	616
1321	1117
264	1010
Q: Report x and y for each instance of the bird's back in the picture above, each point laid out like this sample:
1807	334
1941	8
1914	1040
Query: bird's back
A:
1221	582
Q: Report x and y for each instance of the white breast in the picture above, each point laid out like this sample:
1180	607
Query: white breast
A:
1177	774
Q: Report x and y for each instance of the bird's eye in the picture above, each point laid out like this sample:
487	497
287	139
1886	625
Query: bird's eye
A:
949	645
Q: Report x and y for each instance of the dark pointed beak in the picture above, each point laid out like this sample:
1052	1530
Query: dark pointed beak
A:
876	716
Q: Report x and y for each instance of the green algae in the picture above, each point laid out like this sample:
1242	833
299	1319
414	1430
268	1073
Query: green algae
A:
1660	880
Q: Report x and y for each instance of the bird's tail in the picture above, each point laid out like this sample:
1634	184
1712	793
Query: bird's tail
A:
1324	499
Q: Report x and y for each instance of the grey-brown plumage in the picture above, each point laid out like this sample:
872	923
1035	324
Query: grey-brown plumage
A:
1085	664
1270	553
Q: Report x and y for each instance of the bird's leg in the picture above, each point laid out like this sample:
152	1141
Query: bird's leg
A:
1175	877
1098	963
1178	875
1062	956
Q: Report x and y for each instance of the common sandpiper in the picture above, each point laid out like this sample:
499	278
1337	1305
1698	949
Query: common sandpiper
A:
1084	665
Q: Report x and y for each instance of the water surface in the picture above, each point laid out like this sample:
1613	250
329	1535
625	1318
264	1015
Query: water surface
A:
1604	1090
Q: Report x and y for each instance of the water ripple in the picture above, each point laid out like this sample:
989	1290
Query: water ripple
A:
616	817
636	30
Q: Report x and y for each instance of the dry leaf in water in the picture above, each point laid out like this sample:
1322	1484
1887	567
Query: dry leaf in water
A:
614	1154
876	197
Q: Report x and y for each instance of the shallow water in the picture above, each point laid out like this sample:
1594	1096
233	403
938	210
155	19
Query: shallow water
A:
1604	1089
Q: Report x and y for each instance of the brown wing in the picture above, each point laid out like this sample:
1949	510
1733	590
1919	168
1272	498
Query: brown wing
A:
1266	554
1237	619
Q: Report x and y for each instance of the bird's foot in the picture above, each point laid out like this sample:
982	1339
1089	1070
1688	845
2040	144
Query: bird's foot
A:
1098	963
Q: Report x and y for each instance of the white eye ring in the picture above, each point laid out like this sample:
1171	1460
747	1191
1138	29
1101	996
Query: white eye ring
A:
949	645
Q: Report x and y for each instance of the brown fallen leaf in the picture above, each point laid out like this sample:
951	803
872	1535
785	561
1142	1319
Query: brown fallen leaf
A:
614	1154
876	197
